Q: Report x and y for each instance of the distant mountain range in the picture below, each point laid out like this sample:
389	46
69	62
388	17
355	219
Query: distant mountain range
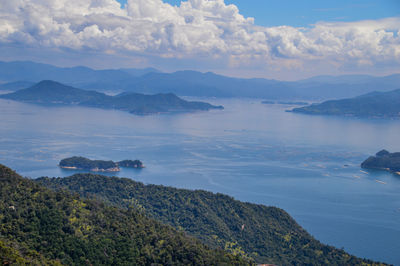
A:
192	83
374	104
53	93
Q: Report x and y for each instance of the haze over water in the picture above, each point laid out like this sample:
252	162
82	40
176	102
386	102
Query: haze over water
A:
307	165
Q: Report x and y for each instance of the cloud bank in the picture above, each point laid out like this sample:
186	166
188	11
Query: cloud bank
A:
195	29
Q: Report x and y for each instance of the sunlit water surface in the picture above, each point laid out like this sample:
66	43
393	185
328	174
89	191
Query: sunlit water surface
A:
307	165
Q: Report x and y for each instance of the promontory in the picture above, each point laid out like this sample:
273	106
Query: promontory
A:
384	160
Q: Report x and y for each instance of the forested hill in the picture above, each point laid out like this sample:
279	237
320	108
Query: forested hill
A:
50	92
375	104
39	226
267	234
384	160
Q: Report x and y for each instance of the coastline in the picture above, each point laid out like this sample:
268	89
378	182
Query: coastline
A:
383	169
115	169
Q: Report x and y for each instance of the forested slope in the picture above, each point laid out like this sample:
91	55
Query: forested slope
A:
267	234
40	226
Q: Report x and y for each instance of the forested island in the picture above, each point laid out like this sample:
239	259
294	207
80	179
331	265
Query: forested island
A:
49	92
384	160
82	163
258	233
371	105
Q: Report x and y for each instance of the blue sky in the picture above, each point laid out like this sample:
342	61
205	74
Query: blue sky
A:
282	39
303	13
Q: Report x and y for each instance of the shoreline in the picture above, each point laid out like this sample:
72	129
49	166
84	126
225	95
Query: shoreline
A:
383	169
115	169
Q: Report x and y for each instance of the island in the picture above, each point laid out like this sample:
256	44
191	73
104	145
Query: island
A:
49	92
130	164
384	160
82	163
371	105
284	102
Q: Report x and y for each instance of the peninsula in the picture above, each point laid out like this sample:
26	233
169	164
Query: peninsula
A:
384	160
82	163
371	105
49	92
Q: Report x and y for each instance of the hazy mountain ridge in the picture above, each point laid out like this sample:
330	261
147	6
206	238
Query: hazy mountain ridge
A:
35	72
267	234
16	85
51	92
193	83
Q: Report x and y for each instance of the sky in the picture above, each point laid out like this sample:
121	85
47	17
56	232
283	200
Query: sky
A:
286	40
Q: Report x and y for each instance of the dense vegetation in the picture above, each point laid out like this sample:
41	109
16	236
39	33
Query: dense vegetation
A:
51	92
87	164
383	160
40	226
130	164
376	104
10	254
267	234
79	162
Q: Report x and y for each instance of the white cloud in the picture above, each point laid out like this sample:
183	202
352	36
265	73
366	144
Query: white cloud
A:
197	28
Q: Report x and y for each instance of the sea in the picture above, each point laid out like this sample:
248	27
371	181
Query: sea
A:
307	165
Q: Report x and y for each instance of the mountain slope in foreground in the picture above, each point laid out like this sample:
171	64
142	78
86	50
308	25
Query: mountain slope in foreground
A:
267	234
374	105
39	226
49	92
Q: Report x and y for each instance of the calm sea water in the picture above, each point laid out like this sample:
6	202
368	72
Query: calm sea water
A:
307	165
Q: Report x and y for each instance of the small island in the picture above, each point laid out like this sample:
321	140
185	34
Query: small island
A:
384	160
82	163
130	164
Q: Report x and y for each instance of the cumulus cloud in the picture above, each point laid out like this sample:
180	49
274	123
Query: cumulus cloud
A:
196	28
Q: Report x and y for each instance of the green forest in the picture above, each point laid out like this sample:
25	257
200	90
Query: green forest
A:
79	162
265	234
39	226
87	164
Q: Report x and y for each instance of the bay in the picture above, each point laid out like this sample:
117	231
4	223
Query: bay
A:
306	165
